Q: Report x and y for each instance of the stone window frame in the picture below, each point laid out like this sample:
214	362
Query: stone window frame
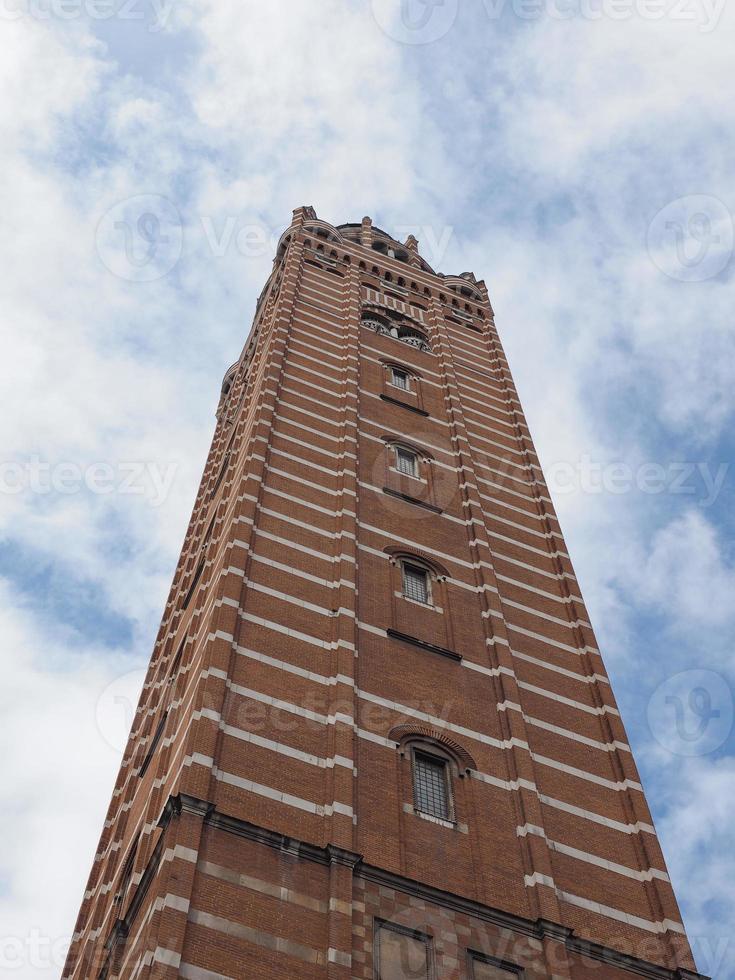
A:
437	578
426	938
424	462
428	751
407	461
416	566
405	374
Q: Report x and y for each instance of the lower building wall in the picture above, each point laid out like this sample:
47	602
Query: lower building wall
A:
242	902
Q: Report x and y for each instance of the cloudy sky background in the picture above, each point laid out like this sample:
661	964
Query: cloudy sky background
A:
581	165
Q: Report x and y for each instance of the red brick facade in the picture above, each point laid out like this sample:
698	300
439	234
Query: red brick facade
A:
267	821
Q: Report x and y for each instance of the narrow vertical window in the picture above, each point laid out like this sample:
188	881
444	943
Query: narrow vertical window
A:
399	379
126	875
194	583
431	785
154	745
407	462
416	583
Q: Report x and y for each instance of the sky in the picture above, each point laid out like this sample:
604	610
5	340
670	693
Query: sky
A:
574	154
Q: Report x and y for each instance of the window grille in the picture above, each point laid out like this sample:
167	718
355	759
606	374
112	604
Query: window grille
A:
416	583
406	462
399	379
430	786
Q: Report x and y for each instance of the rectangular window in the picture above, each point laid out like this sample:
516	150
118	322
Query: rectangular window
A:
401	953
407	462
430	786
416	583
400	379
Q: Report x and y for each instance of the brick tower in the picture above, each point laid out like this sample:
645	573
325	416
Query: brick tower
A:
376	738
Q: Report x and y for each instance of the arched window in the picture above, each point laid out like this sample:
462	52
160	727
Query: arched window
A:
399	329
409	335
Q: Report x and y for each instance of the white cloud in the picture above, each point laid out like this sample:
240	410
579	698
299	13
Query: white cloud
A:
696	835
685	574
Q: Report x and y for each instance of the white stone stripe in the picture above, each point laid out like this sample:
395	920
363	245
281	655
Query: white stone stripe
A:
293	669
623	828
538	879
329	471
304	445
441	722
547	665
296	546
308	483
298	573
588	858
588	776
577	705
192	972
282	749
554	643
528	496
317	809
575	736
310	505
668	925
315	432
566	623
296	634
636	921
295	601
168	957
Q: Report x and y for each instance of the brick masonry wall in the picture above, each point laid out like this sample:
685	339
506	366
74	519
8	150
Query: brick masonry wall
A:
291	678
